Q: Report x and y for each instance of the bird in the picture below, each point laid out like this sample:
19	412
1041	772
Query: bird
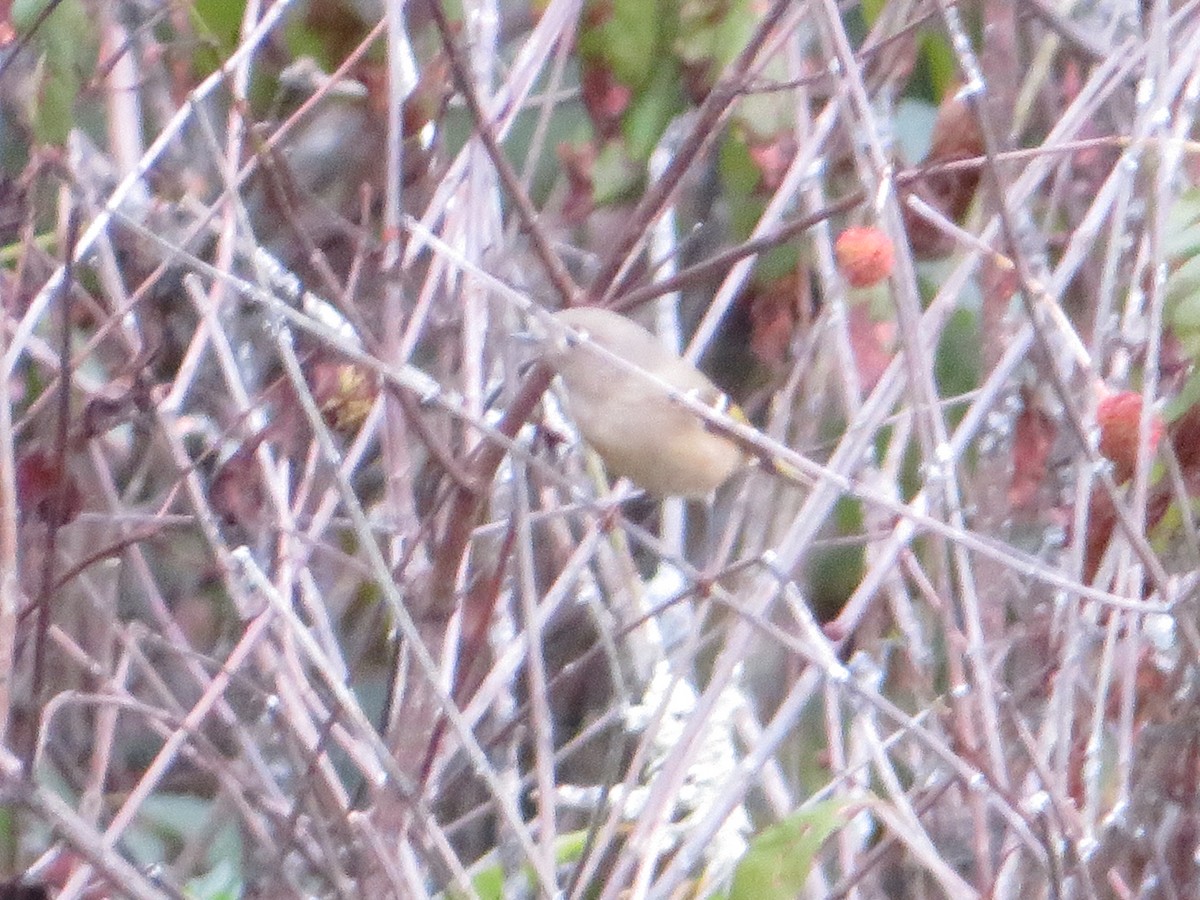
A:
630	418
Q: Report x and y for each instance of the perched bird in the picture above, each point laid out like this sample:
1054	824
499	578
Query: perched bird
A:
630	419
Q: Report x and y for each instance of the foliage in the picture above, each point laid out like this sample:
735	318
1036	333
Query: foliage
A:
64	39
311	586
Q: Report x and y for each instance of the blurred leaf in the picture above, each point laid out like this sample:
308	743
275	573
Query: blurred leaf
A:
64	36
566	122
222	882
780	858
1182	305
1182	228
871	10
778	262
303	41
1167	528
54	116
9	832
742	176
1034	433
220	20
1183	299
767	115
871	336
1182	249
738	170
939	59
744	213
24	13
626	37
46	491
913	123
652	110
713	32
68	50
833	572
171	819
957	366
848	513
1187	398
489	883
614	175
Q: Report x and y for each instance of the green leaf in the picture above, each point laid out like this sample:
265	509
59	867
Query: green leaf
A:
24	14
833	572
68	50
738	170
614	175
302	40
167	820
54	116
222	882
780	858
9	832
651	111
744	213
66	38
871	10
939	57
221	20
1188	397
488	882
1182	228
777	262
713	32
957	364
1185	310
1190	343
1182	304
627	38
767	115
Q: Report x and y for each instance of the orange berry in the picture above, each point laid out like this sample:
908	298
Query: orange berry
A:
864	255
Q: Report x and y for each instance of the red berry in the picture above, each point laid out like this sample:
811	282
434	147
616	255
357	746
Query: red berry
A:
864	255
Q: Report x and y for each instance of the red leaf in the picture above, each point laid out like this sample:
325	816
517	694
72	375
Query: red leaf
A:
1118	415
45	492
1033	438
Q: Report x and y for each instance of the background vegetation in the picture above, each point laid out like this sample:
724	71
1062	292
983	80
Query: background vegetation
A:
309	588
